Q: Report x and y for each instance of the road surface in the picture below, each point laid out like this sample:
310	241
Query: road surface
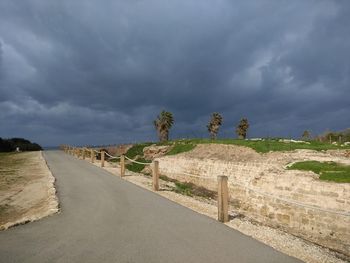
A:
103	218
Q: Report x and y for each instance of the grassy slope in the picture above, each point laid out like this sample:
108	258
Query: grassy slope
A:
329	171
268	144
185	145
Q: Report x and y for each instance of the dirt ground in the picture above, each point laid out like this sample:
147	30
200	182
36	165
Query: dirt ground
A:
27	190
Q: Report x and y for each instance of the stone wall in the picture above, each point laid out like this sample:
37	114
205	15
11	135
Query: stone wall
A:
294	201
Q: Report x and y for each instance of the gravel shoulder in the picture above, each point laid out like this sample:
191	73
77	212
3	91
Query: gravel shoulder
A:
27	191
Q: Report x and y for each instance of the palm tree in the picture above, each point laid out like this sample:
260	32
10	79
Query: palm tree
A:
242	128
214	125
163	124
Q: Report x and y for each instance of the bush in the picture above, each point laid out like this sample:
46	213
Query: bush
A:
10	145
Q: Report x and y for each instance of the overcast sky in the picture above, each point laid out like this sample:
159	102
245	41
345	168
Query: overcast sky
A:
98	72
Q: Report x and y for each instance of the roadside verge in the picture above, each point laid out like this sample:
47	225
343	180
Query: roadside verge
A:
27	189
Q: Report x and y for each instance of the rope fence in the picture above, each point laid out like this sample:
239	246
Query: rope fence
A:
111	157
223	182
134	161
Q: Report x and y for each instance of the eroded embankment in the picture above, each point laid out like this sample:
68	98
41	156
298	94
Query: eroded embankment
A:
263	190
27	191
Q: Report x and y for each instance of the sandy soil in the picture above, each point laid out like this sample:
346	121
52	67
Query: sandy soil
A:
27	191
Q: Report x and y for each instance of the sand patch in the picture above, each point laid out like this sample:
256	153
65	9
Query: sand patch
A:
27	191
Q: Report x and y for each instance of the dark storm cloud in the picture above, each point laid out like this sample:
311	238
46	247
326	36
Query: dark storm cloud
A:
99	72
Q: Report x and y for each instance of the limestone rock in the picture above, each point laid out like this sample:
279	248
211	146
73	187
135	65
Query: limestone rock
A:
147	170
155	151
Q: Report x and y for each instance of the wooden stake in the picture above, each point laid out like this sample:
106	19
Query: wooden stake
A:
102	158
155	175
122	165
92	155
223	199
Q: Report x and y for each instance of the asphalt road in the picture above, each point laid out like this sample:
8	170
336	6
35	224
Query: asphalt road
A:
105	219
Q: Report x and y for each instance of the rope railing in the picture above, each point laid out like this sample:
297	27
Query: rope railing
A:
134	161
114	158
111	156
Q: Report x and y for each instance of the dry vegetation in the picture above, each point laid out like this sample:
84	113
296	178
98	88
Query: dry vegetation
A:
26	188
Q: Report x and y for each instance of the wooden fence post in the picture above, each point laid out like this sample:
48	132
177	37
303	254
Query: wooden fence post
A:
92	155
102	158
155	175
84	153
122	165
223	199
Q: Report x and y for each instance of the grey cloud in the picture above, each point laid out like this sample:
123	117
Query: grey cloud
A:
77	69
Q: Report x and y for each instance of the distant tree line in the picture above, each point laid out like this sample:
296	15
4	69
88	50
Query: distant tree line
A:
328	136
165	121
10	145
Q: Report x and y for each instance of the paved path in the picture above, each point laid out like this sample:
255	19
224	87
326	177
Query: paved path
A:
106	219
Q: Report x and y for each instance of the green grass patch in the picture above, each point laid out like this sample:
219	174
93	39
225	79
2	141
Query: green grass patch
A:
328	171
183	188
181	148
134	151
136	167
190	189
137	150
